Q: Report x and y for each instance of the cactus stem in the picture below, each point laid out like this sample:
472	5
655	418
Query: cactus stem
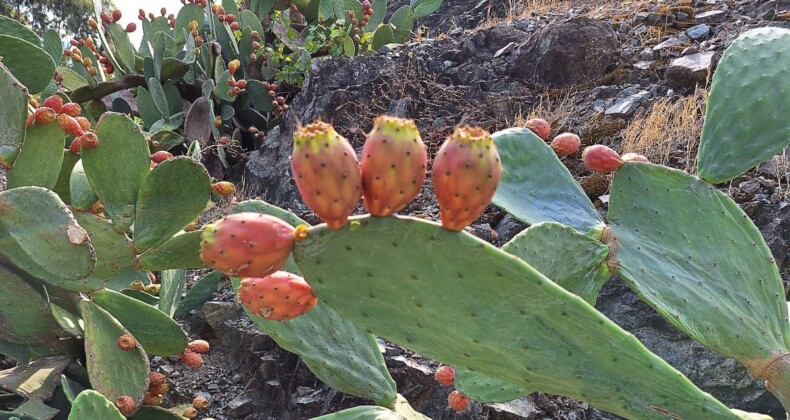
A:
776	373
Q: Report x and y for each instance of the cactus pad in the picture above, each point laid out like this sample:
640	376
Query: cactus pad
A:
25	317
180	251
486	390
90	404
28	62
80	190
537	187
13	114
38	163
114	251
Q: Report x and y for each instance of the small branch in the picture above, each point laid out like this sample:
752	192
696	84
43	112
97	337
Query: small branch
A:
103	89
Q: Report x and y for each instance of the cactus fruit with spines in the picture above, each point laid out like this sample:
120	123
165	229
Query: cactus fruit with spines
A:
279	296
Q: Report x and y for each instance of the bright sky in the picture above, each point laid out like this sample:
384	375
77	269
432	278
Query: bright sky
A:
130	8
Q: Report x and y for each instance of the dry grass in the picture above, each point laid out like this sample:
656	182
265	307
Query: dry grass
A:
556	107
669	127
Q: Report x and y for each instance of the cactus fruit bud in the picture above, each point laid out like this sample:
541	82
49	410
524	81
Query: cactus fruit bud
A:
540	127
96	208
635	157
247	244
71	109
457	401
223	188
445	375
466	173
152	289
93	24
116	15
393	165
55	102
126	342
200	403
156	379
105	18
566	144
161	156
326	171
131	27
89	140
191	359
198	346
75	146
44	115
599	158
233	66
137	285
234	26
69	125
84	123
278	297
153	399
190	413
230	18
125	404
217	122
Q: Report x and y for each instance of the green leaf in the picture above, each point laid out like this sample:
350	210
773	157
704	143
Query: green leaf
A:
259	96
422	8
114	251
173	283
68	321
383	36
150	412
146	107
403	18
200	292
38	163
349	49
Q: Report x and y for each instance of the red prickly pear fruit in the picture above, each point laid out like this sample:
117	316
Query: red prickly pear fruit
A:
445	375
635	157
153	399
191	359
599	158
466	173
540	127
76	146
326	171
89	140
223	188
71	109
161	156
190	413
156	379
69	125
84	123
105	18
230	18
393	165
233	26
198	346
457	401
247	244
44	115
54	102
131	27
277	297
30	120
125	404
566	144
126	342
116	15
200	403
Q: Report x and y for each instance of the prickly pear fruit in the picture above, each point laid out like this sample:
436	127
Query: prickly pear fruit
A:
96	208
44	115
326	171
540	127
156	379
84	123
191	359
466	173
54	102
599	158
153	399
200	403
223	188
69	125
445	375
137	285
566	144
278	297
153	289
125	404
198	346
89	140
457	401
190	412
75	146
126	342
71	109
635	157
393	165
8	155
161	156
247	244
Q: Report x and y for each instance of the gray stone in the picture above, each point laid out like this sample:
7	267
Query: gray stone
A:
669	43
648	54
698	32
643	65
240	406
690	70
713	16
627	106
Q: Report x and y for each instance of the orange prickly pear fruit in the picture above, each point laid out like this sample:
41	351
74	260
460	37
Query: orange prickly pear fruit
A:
223	188
69	125
326	171
198	346
458	401
89	140
445	375
44	115
54	102
200	403
278	297
85	125
71	109
466	173
393	165
126	342
599	158
125	404
191	359
247	244
540	127
566	144
160	156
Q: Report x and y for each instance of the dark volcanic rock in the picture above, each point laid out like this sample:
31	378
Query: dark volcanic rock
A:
576	51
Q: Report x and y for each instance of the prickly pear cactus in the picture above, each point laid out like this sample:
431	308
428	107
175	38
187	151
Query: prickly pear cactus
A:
90	404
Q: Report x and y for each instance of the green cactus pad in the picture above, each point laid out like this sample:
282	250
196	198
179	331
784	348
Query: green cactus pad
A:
746	120
52	45
383	36
146	107
186	15
28	62
114	251
127	276
258	206
62	187
80	190
486	390
70	388
150	412
390	276
30	410
197	125
11	27
569	258
173	282
198	294
537	187
71	79
180	251
124	50
112	371
46	224
705	267
167	139
13	113
167	339
399	409
68	321
38	163
90	404
25	317
117	168
165	207
259	96
36	380
142	296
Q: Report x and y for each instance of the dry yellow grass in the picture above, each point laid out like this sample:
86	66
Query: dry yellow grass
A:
555	107
668	126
